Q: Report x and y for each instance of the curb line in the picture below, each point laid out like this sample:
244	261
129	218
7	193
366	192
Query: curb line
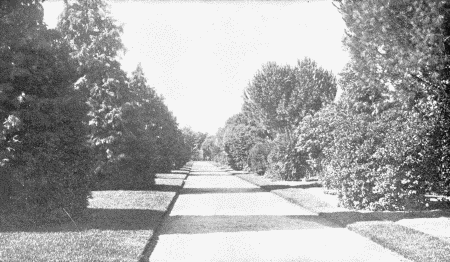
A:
153	240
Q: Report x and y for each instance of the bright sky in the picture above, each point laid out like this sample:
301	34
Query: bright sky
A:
201	55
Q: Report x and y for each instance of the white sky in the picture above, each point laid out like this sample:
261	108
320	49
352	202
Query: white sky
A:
201	55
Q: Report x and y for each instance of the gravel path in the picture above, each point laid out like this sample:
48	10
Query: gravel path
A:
219	217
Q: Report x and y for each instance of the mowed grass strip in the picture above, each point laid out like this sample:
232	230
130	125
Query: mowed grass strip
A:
118	227
408	242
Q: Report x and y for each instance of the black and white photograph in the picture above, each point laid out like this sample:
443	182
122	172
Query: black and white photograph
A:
224	130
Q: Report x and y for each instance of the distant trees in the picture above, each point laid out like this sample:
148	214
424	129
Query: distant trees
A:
194	141
210	148
263	136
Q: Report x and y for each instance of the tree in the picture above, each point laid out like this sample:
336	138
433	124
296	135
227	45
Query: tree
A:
45	159
281	96
240	134
221	156
193	140
315	137
389	145
257	157
238	141
396	49
400	48
210	148
94	38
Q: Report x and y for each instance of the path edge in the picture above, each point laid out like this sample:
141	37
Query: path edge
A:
401	257
153	240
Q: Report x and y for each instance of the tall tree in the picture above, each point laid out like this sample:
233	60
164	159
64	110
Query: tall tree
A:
150	139
94	38
44	155
281	95
396	50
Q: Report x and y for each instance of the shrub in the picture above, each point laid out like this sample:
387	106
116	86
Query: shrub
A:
257	158
43	144
383	162
314	137
51	163
282	161
398	155
237	143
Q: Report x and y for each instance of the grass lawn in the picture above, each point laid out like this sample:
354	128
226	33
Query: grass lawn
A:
119	225
408	242
378	226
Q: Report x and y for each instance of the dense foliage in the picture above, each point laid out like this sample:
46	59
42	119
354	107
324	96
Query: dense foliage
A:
240	135
151	141
257	157
132	132
210	148
279	97
384	144
315	135
396	91
72	120
194	141
220	156
45	162
95	43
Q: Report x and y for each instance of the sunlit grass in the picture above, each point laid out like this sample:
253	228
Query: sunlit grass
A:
118	227
408	242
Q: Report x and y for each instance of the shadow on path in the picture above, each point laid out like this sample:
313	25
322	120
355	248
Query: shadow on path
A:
209	173
276	187
216	224
220	190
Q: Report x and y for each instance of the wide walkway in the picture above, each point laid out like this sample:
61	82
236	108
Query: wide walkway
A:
219	217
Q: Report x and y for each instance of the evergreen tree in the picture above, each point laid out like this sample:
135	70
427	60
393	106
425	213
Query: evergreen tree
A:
45	160
152	123
94	38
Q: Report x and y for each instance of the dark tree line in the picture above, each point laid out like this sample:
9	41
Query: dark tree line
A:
72	120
